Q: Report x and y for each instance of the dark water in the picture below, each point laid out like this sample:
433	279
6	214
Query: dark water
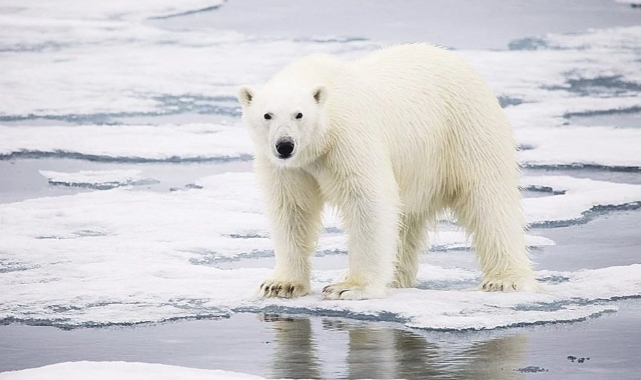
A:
625	120
22	179
278	346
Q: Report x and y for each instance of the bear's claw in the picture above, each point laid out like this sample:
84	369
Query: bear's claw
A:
509	285
282	289
347	291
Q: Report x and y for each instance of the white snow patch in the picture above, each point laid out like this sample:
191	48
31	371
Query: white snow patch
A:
577	146
141	142
121	371
609	39
581	195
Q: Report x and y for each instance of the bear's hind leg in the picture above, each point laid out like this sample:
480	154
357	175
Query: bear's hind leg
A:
497	228
412	236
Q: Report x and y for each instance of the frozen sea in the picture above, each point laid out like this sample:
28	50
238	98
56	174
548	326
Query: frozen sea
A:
132	236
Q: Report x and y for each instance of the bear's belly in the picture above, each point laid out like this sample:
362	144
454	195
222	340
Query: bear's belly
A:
419	188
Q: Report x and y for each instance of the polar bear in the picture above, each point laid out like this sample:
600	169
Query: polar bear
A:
390	140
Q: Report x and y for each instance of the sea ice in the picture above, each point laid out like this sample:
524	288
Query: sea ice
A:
125	256
133	143
581	146
121	371
580	196
119	63
97	179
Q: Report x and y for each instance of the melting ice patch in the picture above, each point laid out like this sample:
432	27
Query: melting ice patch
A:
617	148
576	199
98	179
556	76
618	38
123	256
122	371
142	143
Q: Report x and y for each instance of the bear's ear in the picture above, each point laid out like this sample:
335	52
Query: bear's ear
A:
320	94
245	95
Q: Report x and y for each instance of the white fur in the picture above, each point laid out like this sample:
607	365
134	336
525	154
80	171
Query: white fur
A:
391	139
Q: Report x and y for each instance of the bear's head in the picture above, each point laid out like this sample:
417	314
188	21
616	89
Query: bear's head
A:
287	123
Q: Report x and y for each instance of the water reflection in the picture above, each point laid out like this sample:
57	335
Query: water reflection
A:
295	355
381	352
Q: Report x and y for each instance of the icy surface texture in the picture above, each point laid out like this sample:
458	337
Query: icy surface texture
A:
124	256
121	370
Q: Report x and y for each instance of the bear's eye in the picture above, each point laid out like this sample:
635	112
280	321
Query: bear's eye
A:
267	116
299	115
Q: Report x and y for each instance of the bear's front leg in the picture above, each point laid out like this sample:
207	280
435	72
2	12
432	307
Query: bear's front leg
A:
293	205
369	208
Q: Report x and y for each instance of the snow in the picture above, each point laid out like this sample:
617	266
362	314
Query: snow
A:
122	371
581	146
580	196
188	142
126	256
119	59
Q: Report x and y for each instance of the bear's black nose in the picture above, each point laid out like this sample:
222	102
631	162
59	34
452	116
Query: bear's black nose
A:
284	148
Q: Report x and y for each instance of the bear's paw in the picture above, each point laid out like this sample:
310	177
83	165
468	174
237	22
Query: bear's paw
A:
282	289
349	291
510	284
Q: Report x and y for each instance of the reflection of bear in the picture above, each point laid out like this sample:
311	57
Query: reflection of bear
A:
377	351
391	140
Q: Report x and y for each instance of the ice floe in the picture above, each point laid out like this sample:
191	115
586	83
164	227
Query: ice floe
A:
67	59
606	147
141	143
97	179
121	370
576	199
125	256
